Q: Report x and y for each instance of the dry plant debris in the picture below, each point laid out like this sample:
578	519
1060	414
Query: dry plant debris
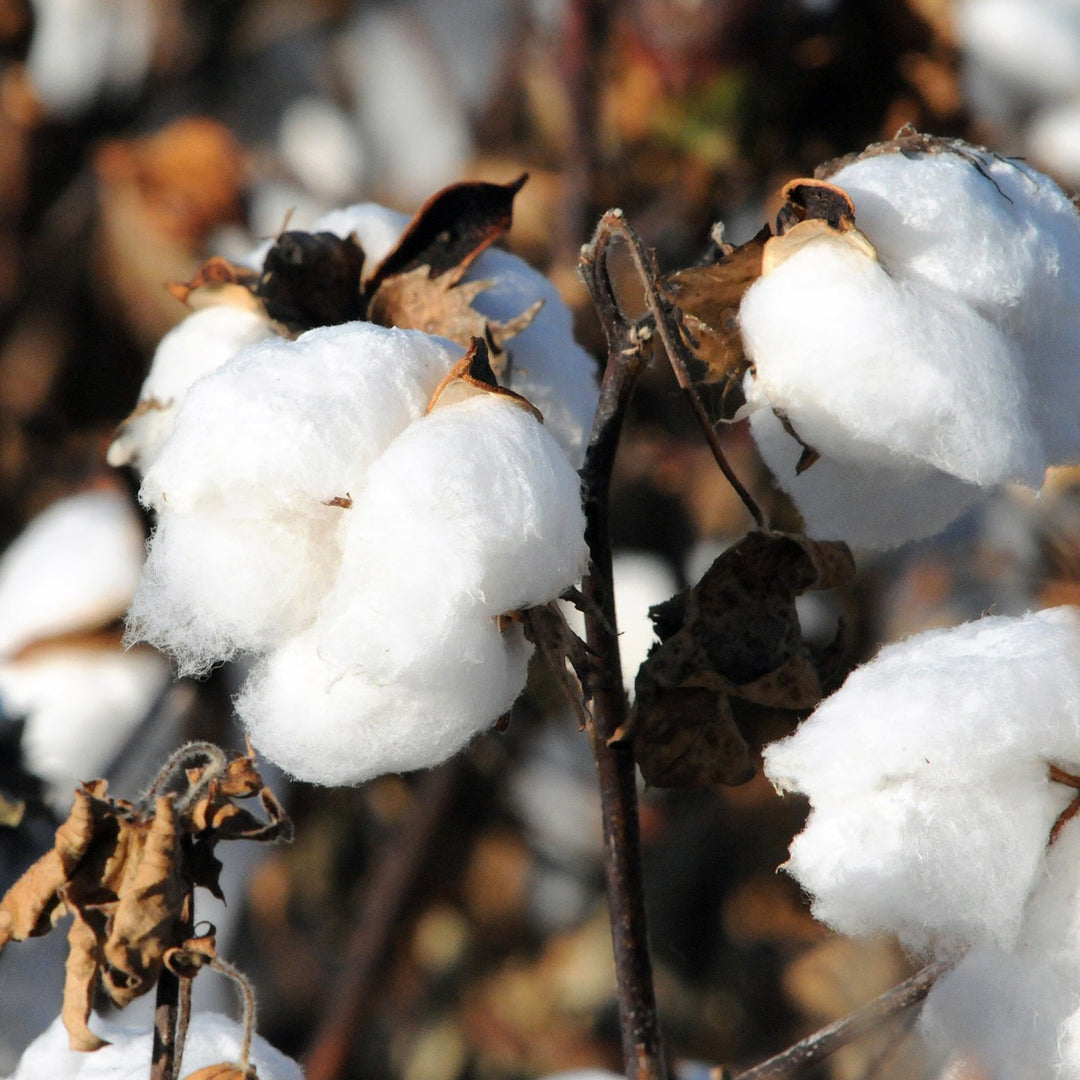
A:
126	871
735	634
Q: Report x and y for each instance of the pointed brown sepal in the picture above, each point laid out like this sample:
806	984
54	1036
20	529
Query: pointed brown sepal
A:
472	375
451	229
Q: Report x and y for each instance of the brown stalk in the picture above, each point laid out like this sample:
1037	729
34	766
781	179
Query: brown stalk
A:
829	1039
167	1047
642	1049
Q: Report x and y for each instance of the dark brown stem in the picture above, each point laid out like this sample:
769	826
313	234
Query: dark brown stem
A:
392	885
642	1049
166	1050
831	1038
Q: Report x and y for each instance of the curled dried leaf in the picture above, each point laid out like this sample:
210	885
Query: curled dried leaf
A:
558	646
734	635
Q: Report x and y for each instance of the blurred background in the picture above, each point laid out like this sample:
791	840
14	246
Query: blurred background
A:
452	925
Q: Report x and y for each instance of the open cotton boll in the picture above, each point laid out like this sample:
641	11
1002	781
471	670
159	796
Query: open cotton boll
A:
217	583
472	510
199	344
871	505
302	418
937	835
80	705
547	365
874	369
1002	238
211	1039
348	730
74	567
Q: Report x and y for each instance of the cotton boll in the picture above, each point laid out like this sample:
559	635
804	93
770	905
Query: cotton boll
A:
546	364
74	567
297	419
938	835
321	146
474	509
1053	139
218	582
81	706
204	341
348	730
876	370
211	1039
871	505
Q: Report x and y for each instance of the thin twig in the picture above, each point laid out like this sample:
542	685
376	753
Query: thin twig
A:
164	1057
831	1038
642	1048
393	882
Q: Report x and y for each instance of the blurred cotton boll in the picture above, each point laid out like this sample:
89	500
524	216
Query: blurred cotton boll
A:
933	362
211	1039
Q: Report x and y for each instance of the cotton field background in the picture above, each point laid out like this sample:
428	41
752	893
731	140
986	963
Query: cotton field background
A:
450	923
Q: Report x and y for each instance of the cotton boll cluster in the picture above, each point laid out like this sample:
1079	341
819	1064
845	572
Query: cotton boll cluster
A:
211	1039
933	370
313	513
931	805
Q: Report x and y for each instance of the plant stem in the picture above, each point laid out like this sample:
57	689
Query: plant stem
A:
164	1055
642	1050
831	1038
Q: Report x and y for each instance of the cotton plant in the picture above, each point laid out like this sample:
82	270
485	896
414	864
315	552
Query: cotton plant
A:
362	508
911	349
941	778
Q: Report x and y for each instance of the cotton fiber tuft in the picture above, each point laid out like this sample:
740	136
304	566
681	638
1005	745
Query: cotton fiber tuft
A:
939	368
928	779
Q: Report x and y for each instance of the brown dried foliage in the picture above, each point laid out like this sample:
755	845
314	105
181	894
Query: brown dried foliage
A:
125	873
734	635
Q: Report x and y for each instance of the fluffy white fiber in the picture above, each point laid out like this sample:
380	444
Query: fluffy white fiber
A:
73	568
199	344
312	514
212	1039
940	369
546	364
927	774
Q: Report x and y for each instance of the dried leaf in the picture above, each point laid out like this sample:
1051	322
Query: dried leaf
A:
83	963
473	375
312	279
708	298
442	305
546	627
450	230
224	1071
735	634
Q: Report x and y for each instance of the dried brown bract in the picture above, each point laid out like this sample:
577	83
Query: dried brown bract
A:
125	873
734	635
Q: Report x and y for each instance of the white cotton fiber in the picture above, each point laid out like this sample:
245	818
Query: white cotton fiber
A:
474	511
211	1039
347	730
191	349
927	774
74	567
546	363
951	353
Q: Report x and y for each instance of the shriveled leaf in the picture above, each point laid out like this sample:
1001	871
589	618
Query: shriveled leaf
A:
442	305
546	627
83	964
312	279
473	375
687	737
450	230
708	298
735	634
144	924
